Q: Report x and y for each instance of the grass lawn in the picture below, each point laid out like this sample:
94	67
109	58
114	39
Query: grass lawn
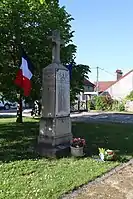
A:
24	175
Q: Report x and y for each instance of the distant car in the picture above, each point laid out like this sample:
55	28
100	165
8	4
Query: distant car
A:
7	105
4	104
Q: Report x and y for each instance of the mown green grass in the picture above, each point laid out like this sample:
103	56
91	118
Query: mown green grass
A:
47	179
25	175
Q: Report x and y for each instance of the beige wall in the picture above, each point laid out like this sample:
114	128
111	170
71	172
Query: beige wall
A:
122	88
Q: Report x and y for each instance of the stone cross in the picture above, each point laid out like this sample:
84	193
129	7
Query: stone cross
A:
56	41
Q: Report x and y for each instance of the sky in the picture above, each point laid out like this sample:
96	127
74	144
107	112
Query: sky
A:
103	35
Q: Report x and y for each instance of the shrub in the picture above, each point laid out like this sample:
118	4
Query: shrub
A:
130	96
115	105
118	105
121	106
91	105
103	102
99	103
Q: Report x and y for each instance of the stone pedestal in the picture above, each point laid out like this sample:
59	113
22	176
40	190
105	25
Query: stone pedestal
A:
55	124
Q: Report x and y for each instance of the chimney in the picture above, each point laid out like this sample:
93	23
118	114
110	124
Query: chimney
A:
119	74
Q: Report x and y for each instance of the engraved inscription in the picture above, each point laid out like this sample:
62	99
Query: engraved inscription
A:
48	94
62	93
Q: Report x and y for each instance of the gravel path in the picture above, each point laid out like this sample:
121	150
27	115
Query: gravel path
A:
118	186
103	117
115	185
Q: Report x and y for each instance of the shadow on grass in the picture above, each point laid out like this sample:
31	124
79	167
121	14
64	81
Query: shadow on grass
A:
7	116
18	141
113	136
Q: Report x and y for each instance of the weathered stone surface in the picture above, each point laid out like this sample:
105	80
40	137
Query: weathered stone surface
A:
55	91
62	93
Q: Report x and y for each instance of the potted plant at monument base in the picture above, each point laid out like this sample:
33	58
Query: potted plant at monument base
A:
77	147
110	155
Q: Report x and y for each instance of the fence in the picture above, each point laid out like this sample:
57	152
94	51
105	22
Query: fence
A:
79	106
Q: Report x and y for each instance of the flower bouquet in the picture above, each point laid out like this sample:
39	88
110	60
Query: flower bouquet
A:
102	153
107	154
110	155
77	147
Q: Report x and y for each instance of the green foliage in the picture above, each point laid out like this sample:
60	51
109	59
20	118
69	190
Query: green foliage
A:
106	103
47	1
91	105
121	106
130	96
29	23
118	105
41	1
101	150
102	102
79	73
115	105
99	103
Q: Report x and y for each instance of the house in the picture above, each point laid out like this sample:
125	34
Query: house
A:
88	87
120	88
81	103
103	85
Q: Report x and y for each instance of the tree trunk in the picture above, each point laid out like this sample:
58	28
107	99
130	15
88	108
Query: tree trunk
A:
19	110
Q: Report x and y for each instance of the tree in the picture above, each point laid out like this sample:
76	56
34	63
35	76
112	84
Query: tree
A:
29	23
79	73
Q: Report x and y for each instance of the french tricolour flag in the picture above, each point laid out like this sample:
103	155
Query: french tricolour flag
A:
24	75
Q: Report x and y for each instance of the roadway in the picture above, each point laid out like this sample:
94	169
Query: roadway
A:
82	117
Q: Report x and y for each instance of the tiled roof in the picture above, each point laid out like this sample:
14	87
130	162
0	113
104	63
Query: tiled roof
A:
120	78
88	83
104	85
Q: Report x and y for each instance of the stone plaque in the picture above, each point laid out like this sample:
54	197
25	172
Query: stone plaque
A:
62	93
48	94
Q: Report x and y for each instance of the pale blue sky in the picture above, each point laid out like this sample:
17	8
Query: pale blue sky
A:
103	34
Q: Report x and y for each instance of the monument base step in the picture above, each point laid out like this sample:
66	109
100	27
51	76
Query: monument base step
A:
61	150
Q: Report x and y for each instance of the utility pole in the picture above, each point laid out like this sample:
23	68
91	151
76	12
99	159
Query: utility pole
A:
97	86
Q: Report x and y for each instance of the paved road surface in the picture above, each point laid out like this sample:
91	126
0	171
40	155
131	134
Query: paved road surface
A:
84	116
104	117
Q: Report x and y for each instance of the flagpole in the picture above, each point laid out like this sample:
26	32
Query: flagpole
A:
18	44
23	80
19	105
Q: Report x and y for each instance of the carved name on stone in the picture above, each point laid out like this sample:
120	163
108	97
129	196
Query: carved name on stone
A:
62	93
48	94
